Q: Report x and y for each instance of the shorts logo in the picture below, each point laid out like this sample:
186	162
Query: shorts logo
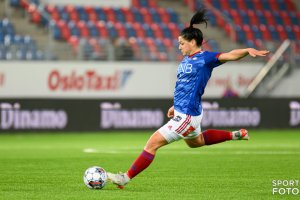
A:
177	118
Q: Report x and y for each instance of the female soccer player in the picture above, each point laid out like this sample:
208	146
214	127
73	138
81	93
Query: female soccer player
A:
192	76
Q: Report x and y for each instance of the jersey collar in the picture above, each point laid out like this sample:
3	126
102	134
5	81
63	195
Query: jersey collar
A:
194	53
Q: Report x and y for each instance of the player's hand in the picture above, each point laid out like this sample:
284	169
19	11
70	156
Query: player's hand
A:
253	52
170	113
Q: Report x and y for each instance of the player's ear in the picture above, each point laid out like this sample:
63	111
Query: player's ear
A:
193	42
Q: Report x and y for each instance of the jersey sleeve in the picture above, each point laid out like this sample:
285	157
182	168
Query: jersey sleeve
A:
212	59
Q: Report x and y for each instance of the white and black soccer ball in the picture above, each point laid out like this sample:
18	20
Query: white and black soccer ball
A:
95	177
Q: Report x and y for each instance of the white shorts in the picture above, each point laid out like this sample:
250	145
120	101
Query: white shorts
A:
181	126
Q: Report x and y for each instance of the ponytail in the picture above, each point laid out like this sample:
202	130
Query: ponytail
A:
190	32
199	18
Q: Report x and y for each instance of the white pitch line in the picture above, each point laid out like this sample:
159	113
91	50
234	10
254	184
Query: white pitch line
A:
133	151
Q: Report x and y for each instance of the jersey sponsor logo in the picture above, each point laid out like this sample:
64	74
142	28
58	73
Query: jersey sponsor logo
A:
185	68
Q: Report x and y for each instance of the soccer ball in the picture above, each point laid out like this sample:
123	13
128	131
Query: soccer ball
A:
95	177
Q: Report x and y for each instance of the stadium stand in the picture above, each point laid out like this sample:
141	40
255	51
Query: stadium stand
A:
256	23
151	31
17	47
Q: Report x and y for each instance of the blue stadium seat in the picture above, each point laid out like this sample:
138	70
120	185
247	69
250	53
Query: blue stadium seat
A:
73	29
290	33
112	30
137	15
119	15
101	14
92	29
82	14
148	31
130	30
274	33
155	16
173	15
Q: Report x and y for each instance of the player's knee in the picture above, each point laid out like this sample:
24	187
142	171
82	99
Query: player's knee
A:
151	148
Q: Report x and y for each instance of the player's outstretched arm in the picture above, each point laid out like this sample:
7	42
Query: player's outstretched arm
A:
237	54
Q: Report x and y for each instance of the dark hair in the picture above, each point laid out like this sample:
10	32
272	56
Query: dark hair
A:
190	32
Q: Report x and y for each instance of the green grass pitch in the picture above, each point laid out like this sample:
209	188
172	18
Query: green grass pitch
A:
51	166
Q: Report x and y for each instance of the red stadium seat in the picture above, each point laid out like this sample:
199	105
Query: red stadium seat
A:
102	29
146	15
241	5
291	6
139	30
122	33
71	10
257	5
253	18
84	31
265	32
273	5
129	17
110	14
282	32
249	34
174	29
285	17
225	4
34	14
236	16
164	16
296	29
135	3
91	12
74	41
269	17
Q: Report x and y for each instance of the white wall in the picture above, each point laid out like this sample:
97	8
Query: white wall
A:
111	79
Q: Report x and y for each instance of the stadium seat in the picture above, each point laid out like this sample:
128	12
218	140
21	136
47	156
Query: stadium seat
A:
139	29
100	14
256	31
93	31
281	31
102	29
148	31
91	13
110	14
274	34
138	17
164	16
290	33
130	30
265	32
128	14
74	29
119	15
146	15
121	30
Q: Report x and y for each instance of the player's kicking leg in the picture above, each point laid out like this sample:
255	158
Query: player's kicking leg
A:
141	163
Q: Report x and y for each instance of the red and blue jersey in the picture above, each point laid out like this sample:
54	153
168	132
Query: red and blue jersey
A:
192	76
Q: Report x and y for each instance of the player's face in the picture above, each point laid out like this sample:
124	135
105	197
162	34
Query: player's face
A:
185	46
